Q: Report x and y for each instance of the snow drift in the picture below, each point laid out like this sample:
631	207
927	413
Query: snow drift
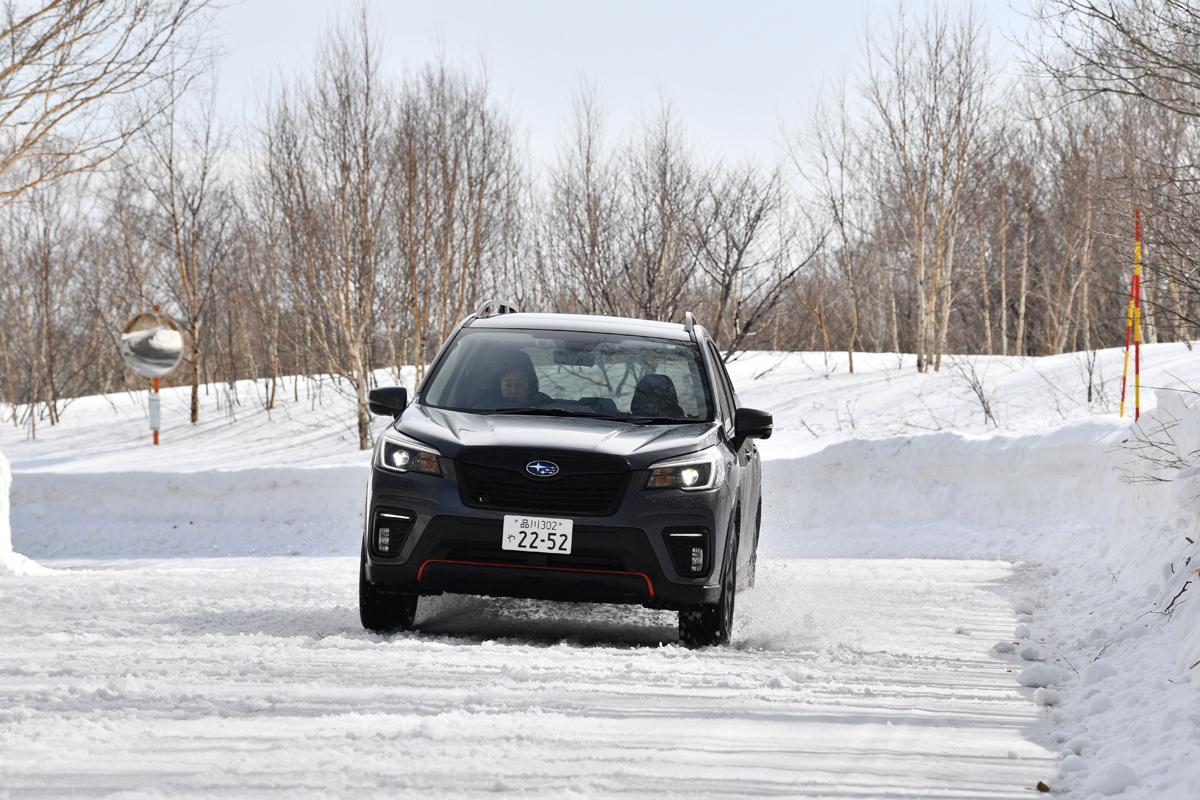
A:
248	512
5	485
1118	610
10	562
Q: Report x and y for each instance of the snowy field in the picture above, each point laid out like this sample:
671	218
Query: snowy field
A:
950	605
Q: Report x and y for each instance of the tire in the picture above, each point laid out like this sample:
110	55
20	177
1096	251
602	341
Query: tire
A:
754	552
381	612
712	624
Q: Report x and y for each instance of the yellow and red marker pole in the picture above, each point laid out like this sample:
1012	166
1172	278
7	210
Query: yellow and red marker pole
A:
1133	323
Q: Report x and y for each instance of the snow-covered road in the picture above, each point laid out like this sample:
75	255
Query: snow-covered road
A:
226	677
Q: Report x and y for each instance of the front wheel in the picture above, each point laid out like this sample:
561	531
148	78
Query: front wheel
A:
713	624
381	612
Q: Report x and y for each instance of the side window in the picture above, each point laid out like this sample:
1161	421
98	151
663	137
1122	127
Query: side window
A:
723	390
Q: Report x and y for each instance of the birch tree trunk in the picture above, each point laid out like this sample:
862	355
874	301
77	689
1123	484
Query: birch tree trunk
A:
985	292
947	302
1019	348
1003	276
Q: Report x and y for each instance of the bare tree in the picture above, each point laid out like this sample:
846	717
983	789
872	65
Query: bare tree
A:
80	77
331	168
927	86
1146	55
663	189
834	159
1143	49
738	210
453	204
190	216
577	238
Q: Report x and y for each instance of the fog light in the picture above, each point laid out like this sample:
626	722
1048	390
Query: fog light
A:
390	531
689	550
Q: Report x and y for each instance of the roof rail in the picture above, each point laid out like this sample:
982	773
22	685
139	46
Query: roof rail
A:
689	324
494	308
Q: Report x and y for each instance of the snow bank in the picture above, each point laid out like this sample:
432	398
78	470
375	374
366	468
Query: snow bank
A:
943	494
5	483
959	496
280	511
1121	615
10	562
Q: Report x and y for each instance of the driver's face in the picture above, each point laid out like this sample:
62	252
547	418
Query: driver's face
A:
514	386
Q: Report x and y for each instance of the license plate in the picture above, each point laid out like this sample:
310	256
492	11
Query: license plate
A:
536	534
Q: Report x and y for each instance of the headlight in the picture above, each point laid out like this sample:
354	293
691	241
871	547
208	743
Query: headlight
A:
401	454
691	473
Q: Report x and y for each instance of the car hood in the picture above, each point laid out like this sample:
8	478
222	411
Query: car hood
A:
640	445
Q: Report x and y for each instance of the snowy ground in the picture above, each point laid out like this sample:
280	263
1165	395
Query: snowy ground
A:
906	536
228	677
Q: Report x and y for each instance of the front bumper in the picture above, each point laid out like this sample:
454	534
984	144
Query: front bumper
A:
621	558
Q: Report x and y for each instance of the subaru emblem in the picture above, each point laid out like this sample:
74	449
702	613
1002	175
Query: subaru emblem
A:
542	469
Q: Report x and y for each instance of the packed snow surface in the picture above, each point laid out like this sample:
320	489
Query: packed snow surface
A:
229	677
971	581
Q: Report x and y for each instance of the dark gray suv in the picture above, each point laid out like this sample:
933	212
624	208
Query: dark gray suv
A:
566	457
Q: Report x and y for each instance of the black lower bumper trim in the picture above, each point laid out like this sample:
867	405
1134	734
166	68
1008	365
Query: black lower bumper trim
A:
535	581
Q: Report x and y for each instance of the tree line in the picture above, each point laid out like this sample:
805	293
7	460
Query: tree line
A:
928	204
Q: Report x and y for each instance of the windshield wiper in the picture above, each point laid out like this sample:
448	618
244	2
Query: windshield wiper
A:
560	412
537	412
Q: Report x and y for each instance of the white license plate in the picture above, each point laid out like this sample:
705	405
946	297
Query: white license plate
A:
537	534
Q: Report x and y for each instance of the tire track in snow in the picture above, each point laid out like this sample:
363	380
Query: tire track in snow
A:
235	677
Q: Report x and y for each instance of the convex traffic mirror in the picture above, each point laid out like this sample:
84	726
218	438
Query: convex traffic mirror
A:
151	344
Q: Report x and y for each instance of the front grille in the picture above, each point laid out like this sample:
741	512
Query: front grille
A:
589	495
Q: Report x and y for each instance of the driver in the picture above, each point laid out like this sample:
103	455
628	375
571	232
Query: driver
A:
514	385
518	384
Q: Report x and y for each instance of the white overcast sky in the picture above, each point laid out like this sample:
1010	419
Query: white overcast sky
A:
734	71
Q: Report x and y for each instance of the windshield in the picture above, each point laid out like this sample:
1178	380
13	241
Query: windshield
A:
563	373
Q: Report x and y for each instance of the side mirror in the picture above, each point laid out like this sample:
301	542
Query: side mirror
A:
750	423
388	401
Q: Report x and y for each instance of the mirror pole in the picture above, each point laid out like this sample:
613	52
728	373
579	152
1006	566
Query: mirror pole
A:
155	412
